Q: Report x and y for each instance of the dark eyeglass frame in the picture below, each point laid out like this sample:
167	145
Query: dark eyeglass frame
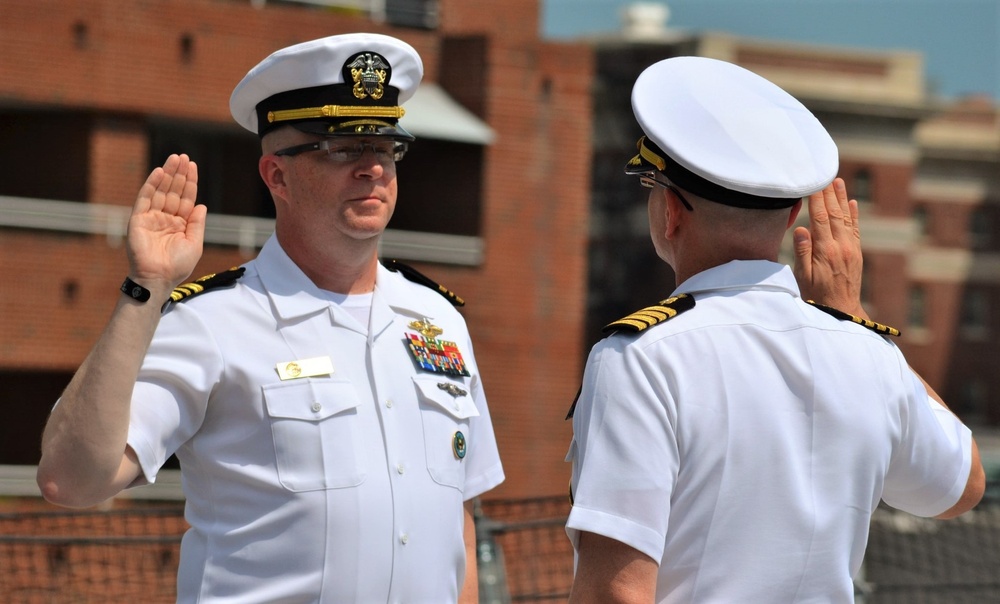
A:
649	181
357	150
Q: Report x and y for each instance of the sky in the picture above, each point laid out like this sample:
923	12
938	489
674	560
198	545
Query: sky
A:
959	39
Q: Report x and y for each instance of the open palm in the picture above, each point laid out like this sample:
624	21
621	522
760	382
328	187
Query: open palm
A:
167	229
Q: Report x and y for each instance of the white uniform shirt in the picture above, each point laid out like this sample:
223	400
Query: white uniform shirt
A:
342	486
745	443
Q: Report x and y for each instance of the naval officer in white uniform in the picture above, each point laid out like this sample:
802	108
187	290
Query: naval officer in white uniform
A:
327	412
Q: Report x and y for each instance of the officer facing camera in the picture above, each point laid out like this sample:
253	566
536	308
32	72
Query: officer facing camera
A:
326	409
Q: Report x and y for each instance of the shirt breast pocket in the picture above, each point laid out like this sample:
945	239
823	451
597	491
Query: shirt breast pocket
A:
313	426
446	407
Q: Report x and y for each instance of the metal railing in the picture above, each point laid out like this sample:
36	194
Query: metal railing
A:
130	553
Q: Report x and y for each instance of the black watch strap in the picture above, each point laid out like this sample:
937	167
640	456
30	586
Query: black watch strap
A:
135	291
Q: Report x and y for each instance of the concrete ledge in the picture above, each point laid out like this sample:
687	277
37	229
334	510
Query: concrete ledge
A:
19	481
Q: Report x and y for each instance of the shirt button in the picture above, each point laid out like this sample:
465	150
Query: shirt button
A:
404	538
388	403
316	407
400	468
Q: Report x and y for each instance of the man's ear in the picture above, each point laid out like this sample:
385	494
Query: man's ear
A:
794	213
675	211
272	173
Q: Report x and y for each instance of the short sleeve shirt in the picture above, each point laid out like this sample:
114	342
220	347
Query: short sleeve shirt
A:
320	461
745	443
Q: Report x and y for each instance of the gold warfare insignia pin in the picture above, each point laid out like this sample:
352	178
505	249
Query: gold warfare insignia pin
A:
426	328
459	445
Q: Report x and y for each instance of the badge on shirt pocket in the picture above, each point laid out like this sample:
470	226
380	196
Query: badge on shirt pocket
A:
446	415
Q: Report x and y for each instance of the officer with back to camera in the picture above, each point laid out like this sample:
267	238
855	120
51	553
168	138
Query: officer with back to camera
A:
732	441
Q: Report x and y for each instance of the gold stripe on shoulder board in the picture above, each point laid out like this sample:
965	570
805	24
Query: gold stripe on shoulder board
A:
208	282
653	315
867	323
417	277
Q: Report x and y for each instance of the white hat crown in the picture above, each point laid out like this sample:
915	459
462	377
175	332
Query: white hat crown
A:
315	80
733	129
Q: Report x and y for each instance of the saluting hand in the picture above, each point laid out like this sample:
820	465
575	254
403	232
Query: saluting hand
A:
167	228
828	259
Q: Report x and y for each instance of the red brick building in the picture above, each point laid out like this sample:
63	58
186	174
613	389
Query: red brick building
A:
493	202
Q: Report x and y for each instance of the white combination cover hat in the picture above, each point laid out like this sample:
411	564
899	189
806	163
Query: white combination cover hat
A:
343	85
729	135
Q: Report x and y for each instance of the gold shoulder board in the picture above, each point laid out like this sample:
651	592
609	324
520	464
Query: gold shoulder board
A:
652	315
417	277
843	316
206	283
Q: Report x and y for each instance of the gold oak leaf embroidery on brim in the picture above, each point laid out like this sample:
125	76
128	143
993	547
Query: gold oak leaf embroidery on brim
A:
652	315
843	316
417	277
201	285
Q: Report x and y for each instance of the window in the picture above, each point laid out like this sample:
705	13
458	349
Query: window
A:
918	307
866	287
421	14
920	219
980	228
228	182
975	314
972	402
862	189
412	13
429	205
26	398
33	167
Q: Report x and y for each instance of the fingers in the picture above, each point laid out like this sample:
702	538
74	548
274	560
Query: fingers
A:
852	206
148	189
831	215
802	246
195	227
172	186
169	188
819	215
189	192
843	206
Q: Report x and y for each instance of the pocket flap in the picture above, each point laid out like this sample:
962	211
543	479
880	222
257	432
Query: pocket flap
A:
454	398
309	400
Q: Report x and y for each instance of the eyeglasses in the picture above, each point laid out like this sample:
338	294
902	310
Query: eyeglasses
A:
650	182
338	151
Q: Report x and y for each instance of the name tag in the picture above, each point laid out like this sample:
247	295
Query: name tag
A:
303	368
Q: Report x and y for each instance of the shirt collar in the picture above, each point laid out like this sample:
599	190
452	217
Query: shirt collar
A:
293	294
742	275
